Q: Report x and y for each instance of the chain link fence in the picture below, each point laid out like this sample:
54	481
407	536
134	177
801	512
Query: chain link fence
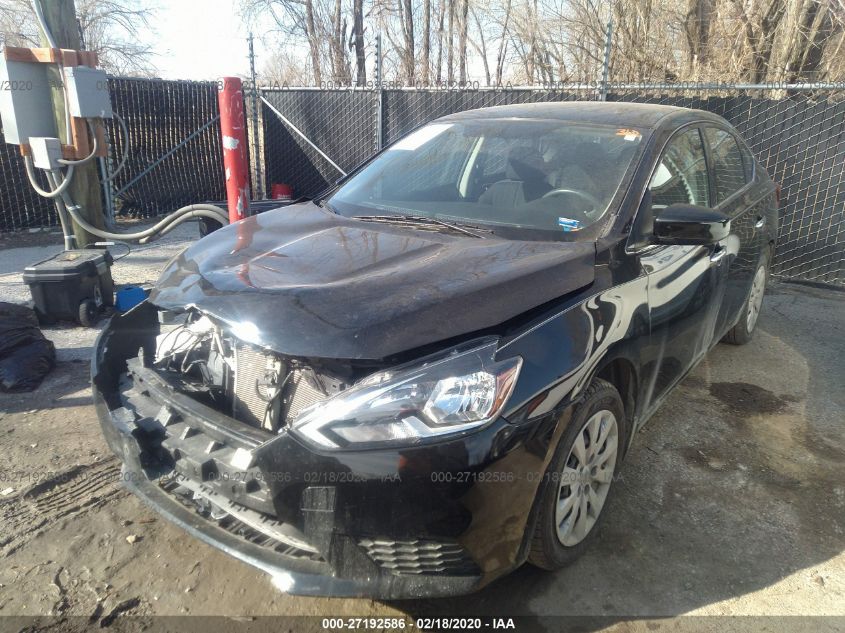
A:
312	136
175	151
800	139
20	206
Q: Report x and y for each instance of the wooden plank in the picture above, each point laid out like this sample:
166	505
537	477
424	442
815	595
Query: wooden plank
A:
100	131
68	151
79	131
69	57
31	55
64	56
88	58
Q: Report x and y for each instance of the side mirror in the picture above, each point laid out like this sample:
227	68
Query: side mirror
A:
690	225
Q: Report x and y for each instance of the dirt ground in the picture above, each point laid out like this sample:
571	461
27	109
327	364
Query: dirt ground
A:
732	500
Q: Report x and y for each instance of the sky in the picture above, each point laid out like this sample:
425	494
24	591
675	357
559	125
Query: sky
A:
201	39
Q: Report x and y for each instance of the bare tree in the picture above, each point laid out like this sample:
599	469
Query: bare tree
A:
811	25
462	42
107	27
480	46
697	26
760	30
530	41
406	14
295	20
357	42
450	54
441	14
425	62
283	68
503	43
313	41
341	72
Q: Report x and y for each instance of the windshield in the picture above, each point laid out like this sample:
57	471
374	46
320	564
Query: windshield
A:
521	173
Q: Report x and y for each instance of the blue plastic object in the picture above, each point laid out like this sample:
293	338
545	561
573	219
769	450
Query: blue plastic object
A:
129	297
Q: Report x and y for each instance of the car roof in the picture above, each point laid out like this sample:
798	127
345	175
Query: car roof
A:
619	113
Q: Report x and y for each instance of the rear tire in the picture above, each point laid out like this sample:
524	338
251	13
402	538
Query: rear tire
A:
579	478
743	331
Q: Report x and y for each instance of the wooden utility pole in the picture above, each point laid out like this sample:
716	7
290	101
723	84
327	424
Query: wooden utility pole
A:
60	16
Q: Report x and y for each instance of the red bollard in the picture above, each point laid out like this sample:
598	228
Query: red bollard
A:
235	159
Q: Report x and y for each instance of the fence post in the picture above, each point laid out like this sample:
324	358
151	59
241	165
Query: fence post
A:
379	97
256	136
105	174
235	160
605	68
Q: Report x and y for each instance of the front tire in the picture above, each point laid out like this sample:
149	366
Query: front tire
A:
579	478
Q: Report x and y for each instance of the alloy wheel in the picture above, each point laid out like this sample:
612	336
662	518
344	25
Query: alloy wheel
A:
755	299
586	478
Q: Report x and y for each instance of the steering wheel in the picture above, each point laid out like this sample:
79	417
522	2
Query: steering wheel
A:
594	203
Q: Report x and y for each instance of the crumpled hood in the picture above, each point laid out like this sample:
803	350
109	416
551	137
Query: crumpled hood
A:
306	282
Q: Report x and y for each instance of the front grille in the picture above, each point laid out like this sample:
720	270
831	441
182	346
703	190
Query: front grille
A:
243	526
173	441
420	557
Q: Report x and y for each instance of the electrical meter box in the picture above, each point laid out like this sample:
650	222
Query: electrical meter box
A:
25	106
46	152
88	92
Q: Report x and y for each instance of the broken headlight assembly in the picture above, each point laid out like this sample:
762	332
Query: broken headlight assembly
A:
442	395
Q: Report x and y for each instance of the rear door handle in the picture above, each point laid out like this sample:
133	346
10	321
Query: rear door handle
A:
760	222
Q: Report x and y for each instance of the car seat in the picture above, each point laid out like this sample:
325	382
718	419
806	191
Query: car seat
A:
525	180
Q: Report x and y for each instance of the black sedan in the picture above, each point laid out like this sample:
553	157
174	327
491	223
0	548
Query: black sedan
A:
430	374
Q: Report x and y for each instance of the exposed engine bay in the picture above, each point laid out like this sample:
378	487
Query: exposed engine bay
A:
253	385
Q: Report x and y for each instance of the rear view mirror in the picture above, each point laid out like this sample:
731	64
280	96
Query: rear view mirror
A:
690	225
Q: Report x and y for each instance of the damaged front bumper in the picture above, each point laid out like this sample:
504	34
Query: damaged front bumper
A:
435	520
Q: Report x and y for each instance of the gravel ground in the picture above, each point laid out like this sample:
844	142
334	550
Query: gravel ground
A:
732	500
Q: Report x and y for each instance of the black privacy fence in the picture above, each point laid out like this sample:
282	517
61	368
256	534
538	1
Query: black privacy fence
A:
310	137
174	155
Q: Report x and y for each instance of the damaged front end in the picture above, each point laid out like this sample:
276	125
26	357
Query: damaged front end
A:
260	388
241	446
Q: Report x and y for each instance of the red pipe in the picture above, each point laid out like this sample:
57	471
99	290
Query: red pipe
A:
235	160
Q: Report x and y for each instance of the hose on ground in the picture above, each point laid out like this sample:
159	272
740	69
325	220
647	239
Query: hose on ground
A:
160	228
168	223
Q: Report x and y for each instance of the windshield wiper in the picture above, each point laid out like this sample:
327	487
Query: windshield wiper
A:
419	221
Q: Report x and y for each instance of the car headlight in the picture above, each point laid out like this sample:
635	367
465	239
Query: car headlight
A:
446	394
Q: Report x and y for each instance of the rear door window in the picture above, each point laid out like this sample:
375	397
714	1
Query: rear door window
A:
728	169
747	162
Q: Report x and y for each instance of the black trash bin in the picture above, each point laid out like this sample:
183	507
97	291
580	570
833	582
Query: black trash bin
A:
73	285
